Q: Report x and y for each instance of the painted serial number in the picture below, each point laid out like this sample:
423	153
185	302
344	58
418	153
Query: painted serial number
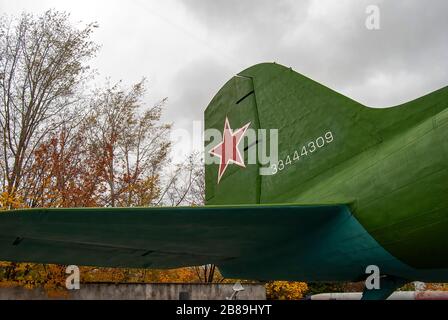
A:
303	151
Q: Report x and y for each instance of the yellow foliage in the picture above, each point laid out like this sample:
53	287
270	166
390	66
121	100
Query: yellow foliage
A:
285	290
10	201
436	286
120	275
31	275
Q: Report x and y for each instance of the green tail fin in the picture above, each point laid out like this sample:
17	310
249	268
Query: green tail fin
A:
270	96
318	129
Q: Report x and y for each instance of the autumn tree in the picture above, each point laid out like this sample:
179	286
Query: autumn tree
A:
134	144
184	184
66	172
43	63
63	147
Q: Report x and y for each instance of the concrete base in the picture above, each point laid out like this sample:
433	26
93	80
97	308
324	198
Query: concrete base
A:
151	291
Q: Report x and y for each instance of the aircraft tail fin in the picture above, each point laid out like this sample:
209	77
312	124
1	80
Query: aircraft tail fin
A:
314	124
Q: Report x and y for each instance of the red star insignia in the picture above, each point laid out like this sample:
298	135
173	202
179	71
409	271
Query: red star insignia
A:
227	150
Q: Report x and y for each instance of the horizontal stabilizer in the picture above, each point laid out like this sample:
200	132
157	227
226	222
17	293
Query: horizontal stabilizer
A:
156	237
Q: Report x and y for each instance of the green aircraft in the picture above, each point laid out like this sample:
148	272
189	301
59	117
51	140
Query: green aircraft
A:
352	187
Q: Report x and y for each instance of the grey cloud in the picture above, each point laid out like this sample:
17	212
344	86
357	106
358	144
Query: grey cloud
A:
247	16
336	49
249	26
189	49
194	86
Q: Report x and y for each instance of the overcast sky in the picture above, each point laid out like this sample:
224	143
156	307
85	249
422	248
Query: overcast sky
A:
189	49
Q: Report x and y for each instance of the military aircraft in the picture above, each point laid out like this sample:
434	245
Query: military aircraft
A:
352	186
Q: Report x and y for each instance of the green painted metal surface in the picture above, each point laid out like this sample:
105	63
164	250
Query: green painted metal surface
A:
388	165
368	186
156	237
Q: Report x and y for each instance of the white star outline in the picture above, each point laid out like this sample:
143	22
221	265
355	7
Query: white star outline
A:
237	158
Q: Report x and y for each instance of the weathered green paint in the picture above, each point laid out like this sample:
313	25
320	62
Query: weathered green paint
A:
389	165
167	237
375	195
